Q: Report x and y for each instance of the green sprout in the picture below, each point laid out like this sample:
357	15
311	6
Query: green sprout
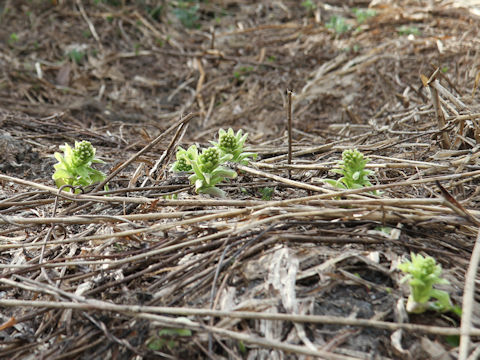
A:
187	14
363	15
338	24
167	339
309	6
76	55
207	170
74	166
231	143
408	30
352	167
13	38
267	193
422	273
242	72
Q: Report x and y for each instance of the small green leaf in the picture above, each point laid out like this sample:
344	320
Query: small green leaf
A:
175	332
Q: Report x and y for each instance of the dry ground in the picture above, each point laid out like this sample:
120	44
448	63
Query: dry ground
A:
304	273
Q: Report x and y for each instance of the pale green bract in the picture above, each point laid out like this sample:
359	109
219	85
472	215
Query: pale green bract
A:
422	273
74	166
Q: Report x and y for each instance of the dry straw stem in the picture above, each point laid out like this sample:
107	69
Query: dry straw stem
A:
138	310
466	330
446	143
329	193
151	145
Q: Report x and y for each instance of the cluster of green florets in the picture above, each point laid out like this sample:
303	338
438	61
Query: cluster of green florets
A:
352	169
83	152
228	142
183	165
207	168
231	143
353	166
422	273
74	166
209	159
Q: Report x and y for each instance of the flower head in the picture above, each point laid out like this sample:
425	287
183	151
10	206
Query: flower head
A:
74	166
422	273
231	143
209	159
83	152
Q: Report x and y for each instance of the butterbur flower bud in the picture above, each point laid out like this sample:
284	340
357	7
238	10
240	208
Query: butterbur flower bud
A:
83	152
182	165
209	159
228	142
354	162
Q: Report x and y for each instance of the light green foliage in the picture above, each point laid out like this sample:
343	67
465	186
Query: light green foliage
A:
206	168
166	338
208	171
13	38
231	143
422	273
352	167
76	55
187	13
338	24
182	155
408	30
387	230
267	193
309	5
363	15
242	72
242	348
74	166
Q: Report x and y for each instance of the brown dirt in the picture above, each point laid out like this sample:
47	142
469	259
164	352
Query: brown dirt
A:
305	273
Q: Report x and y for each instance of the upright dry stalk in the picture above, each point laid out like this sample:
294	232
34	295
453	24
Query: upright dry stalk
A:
289	118
446	143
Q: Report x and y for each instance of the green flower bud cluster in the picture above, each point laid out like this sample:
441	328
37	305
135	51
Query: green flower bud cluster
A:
74	166
422	273
228	142
231	143
183	165
353	160
209	159
83	152
207	168
352	167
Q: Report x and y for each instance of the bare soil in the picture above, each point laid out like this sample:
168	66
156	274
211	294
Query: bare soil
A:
283	267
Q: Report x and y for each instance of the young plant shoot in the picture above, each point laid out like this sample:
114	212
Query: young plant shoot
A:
74	166
352	167
231	143
206	167
422	273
